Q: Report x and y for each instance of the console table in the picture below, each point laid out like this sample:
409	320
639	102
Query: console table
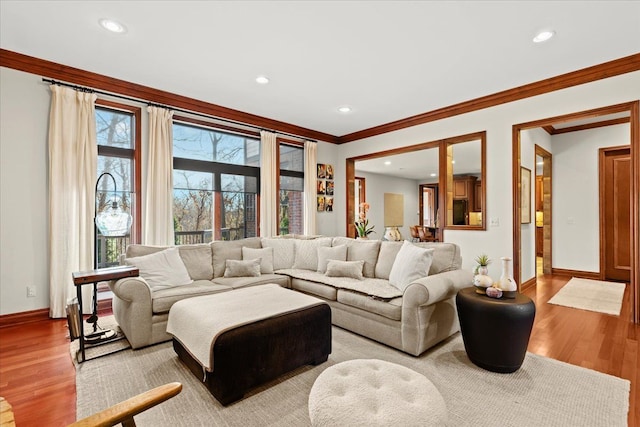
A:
94	277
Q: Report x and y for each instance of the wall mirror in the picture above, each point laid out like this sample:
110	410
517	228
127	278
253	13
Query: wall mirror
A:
465	182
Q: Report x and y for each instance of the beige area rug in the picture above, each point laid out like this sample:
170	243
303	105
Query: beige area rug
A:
592	295
544	392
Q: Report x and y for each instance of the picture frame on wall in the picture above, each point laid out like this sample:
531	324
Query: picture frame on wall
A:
329	171
320	203
321	187
329	188
322	171
328	204
525	195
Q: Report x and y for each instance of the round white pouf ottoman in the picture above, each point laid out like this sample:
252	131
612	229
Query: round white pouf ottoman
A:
370	392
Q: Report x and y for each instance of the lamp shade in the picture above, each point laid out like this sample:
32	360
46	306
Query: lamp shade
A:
113	222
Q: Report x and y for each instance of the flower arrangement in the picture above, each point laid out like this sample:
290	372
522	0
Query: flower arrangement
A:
362	224
483	261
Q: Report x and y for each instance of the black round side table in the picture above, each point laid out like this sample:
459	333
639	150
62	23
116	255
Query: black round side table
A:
495	331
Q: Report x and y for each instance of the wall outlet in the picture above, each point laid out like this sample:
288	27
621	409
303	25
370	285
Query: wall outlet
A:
495	222
31	291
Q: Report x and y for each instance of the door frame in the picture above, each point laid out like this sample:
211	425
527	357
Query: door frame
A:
601	158
634	121
547	230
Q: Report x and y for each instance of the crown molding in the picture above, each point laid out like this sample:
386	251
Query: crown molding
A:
92	80
586	75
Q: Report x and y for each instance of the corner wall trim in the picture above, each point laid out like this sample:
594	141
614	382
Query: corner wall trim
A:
576	273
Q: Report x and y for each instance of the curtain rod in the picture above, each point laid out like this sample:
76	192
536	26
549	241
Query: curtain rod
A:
153	104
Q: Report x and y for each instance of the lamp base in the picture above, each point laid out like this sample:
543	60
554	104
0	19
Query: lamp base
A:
101	336
392	234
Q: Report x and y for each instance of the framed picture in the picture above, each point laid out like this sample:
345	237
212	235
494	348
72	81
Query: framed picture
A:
322	170
329	171
328	204
329	188
320	203
321	187
525	195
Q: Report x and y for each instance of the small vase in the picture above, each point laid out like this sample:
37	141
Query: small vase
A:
507	284
482	270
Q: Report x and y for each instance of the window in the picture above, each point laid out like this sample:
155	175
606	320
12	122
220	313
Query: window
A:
215	183
291	206
118	138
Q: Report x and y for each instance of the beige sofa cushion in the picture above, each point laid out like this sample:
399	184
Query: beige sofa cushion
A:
163	299
366	250
390	309
338	253
265	255
241	282
283	251
306	252
386	257
224	250
163	269
324	291
446	257
196	258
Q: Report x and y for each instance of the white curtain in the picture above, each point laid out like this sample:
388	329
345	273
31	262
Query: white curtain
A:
73	156
158	224
310	159
268	184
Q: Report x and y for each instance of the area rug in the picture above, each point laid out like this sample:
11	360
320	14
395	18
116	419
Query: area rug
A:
543	392
592	295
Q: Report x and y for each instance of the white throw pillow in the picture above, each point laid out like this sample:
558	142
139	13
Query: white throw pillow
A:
266	254
351	269
411	263
338	253
248	268
161	270
283	251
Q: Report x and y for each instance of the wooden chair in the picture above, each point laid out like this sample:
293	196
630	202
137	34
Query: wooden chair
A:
123	412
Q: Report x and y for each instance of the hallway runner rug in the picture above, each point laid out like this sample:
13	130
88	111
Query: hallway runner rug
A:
592	295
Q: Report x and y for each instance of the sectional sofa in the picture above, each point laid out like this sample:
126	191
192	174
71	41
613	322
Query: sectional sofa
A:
378	289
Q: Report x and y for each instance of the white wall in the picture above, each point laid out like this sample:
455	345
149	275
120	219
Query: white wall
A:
528	140
575	197
497	241
24	260
376	186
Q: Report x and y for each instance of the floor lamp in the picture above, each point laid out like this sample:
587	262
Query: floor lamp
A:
111	222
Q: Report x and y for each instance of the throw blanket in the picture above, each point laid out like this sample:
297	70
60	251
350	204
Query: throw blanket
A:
197	322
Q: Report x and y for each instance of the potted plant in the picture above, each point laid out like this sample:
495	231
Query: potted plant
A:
362	225
483	262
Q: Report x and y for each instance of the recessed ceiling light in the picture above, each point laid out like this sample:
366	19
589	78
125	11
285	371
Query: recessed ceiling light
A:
345	109
387	163
263	80
543	36
432	175
113	26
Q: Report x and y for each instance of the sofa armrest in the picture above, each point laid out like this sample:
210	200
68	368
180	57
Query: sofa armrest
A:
132	308
432	289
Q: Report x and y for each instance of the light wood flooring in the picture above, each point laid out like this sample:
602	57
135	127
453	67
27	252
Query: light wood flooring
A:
37	376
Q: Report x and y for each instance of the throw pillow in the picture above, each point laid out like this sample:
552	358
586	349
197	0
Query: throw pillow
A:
351	269
266	254
306	255
325	254
248	268
161	270
411	263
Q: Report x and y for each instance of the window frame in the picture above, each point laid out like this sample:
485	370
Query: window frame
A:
284	172
135	154
217	169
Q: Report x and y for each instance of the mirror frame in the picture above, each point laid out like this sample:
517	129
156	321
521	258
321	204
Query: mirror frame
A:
441	144
446	157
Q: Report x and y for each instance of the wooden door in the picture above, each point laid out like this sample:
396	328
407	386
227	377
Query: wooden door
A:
615	219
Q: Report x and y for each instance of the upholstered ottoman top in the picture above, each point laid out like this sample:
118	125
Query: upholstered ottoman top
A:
370	392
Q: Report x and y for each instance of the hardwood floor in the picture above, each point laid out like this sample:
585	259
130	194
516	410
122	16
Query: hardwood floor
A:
37	376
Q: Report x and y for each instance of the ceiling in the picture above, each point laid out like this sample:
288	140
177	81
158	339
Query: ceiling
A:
388	60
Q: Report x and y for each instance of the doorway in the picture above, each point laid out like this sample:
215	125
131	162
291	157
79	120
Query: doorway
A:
615	213
543	197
